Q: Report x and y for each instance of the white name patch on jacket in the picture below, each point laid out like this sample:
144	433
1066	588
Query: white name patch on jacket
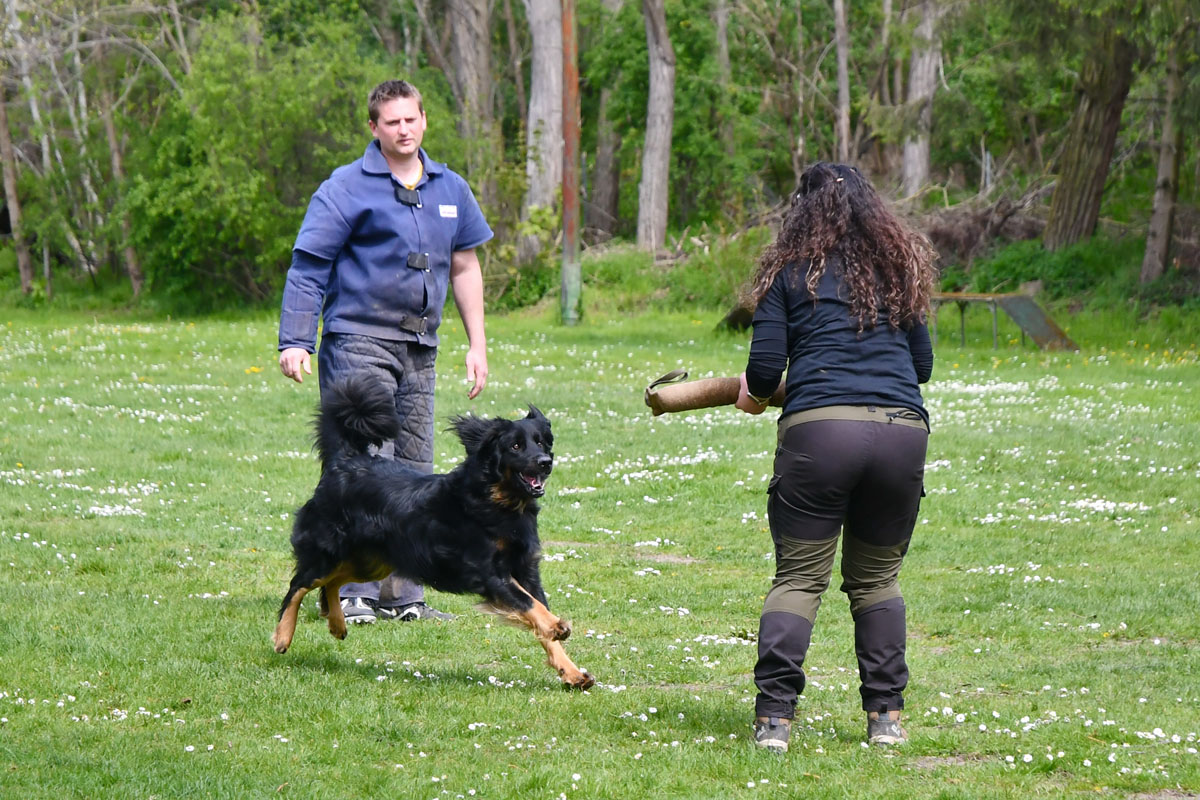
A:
448	212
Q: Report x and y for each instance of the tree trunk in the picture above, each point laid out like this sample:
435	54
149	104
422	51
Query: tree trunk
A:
9	162
22	63
436	50
1103	86
471	46
471	56
883	153
544	137
660	120
86	215
922	82
132	267
885	53
1166	187
842	123
181	45
798	141
602	206
725	76
514	55
376	17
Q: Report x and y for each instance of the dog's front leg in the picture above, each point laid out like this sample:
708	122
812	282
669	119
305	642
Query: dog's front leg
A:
570	674
544	624
529	579
550	631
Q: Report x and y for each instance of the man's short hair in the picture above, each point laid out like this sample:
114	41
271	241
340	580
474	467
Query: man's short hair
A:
390	90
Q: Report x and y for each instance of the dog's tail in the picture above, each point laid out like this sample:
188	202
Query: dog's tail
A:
356	411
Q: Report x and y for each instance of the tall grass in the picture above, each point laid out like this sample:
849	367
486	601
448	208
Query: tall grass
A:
149	470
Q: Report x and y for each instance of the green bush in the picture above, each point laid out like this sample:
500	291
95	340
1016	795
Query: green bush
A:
1098	270
219	196
620	278
708	276
714	276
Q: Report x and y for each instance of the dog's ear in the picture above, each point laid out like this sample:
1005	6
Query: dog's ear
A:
538	418
474	431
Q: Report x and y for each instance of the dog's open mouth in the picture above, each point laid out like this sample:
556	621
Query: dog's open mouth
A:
536	484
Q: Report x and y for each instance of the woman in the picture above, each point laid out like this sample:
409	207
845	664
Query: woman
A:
841	296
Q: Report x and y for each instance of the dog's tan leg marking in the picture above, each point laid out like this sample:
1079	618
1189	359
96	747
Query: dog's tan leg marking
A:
336	619
550	632
332	607
561	663
539	619
343	573
287	622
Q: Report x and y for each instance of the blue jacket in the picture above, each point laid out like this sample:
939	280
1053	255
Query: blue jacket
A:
373	265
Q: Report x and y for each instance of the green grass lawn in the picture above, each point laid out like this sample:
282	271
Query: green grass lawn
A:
149	470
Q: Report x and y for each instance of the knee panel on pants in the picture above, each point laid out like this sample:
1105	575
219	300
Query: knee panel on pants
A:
869	573
802	571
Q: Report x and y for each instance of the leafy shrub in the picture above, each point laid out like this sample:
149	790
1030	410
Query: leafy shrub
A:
223	181
707	276
1098	269
713	277
622	277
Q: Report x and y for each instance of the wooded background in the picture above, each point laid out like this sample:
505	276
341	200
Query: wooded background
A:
176	144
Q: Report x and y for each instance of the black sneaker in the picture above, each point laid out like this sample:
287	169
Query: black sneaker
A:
358	610
772	734
413	611
885	729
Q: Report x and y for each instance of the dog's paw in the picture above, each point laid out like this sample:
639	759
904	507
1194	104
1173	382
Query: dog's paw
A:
281	640
577	679
337	631
560	631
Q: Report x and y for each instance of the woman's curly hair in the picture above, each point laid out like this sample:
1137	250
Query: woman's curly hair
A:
836	213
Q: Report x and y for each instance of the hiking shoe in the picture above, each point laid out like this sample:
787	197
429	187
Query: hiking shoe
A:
885	730
772	734
358	611
414	611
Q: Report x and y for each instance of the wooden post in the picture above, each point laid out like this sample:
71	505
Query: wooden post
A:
572	279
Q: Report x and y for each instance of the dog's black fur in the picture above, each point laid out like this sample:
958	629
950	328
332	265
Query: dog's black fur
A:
470	531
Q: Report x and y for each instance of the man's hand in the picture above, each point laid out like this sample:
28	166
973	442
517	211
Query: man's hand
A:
745	402
477	370
294	362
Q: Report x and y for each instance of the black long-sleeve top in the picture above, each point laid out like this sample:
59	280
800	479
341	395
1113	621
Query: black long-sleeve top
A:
828	362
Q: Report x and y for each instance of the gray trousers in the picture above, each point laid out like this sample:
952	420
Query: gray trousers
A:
407	369
840	476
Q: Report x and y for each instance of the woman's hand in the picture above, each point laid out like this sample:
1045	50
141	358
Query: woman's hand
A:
745	402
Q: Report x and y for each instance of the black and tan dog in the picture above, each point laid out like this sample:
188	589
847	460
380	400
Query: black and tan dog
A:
470	531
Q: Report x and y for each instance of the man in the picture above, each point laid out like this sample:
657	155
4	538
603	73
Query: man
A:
381	241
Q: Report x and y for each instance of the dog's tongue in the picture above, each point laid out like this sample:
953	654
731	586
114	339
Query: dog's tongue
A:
535	482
